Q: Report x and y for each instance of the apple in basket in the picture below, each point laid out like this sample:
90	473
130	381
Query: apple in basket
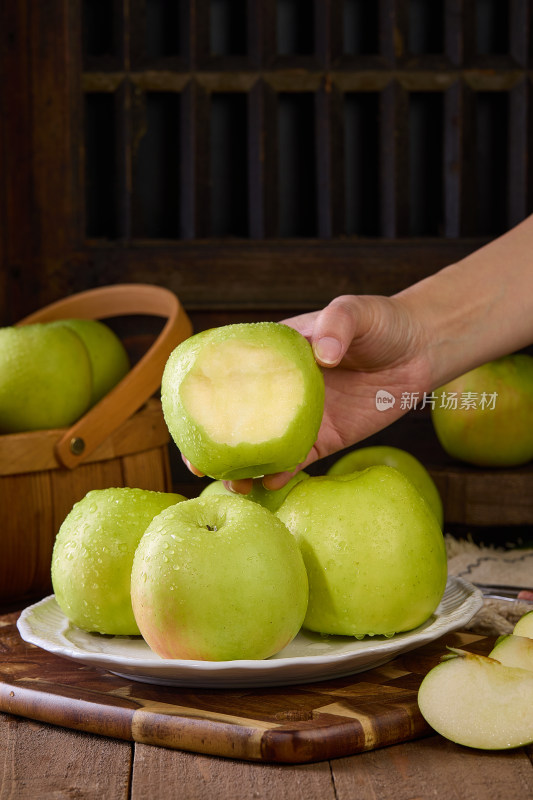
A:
108	356
374	552
93	555
218	578
243	400
45	378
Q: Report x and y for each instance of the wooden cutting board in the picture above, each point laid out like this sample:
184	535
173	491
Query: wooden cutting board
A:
293	724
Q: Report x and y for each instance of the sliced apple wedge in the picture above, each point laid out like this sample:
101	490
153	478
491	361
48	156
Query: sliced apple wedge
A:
478	702
514	651
524	626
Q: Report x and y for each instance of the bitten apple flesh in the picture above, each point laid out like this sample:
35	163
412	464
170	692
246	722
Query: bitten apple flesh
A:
374	552
218	579
477	702
243	400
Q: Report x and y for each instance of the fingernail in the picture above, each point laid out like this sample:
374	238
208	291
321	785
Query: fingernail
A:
328	350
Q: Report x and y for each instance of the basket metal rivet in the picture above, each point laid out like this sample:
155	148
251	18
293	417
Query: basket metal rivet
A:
77	446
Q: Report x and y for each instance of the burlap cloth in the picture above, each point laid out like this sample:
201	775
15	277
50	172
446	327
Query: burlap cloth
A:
496	567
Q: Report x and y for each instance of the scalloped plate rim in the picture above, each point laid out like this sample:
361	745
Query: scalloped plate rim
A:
278	670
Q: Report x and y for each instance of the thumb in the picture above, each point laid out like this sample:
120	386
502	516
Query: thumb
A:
334	330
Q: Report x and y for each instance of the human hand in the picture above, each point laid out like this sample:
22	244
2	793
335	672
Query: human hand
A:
364	344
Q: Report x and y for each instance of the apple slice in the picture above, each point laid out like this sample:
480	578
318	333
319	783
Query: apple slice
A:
514	651
477	702
524	626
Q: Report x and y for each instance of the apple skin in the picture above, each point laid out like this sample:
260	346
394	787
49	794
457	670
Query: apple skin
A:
93	554
524	626
374	552
268	498
234	458
45	378
411	467
499	437
218	578
513	650
109	359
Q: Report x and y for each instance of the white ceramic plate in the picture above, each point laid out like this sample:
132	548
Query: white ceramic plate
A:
309	657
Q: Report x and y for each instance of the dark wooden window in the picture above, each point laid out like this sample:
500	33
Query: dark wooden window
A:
260	155
373	109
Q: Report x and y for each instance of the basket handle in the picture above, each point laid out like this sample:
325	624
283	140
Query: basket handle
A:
85	435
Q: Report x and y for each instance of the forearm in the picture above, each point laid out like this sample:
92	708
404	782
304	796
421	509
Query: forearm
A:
478	309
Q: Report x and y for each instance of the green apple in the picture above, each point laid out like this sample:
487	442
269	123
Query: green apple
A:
218	578
109	359
411	467
514	651
45	378
477	702
269	498
524	626
492	425
243	400
374	552
93	554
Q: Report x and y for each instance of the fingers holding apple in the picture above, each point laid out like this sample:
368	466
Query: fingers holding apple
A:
256	491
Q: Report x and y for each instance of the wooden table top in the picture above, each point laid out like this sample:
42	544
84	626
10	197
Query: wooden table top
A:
40	760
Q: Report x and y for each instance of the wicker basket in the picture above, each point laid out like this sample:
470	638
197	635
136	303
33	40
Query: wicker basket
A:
121	441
